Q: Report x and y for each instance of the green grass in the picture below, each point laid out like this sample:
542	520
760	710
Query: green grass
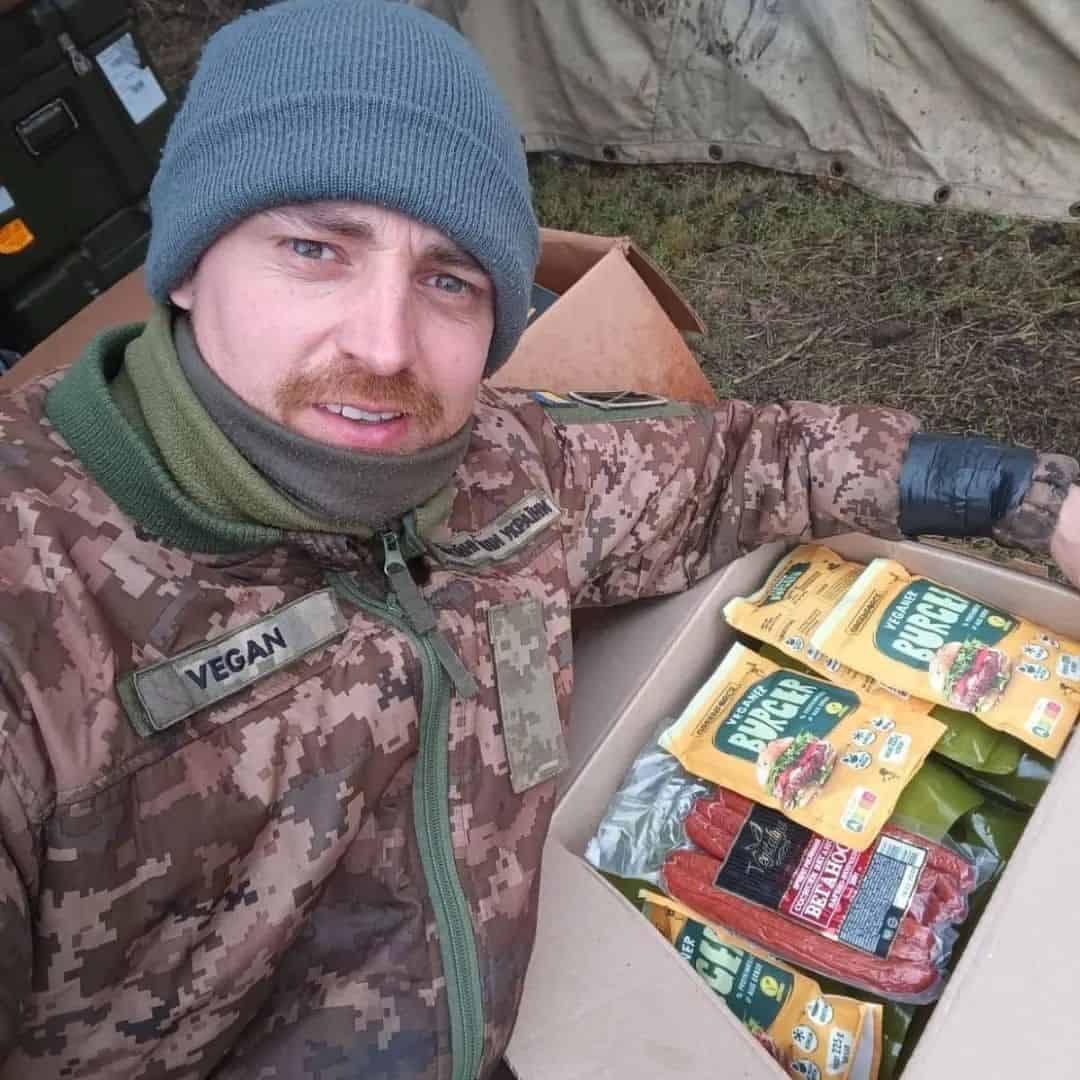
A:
971	321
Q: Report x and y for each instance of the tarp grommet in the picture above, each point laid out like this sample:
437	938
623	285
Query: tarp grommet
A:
716	152
1074	210
609	153
942	194
837	168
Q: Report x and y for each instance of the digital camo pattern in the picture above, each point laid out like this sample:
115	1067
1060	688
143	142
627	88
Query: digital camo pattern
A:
532	732
240	896
1031	524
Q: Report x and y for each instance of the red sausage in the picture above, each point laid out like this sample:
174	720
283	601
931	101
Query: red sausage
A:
689	877
947	863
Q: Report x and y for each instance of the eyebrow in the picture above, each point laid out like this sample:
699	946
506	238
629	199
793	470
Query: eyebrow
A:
449	255
327	219
341	223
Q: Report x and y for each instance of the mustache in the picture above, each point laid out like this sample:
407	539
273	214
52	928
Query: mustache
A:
343	383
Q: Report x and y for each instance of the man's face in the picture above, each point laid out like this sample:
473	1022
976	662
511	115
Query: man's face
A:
347	323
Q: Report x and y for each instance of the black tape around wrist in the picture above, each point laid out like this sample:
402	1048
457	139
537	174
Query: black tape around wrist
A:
952	486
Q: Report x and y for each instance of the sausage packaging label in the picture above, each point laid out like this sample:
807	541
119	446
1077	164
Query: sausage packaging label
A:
859	898
798	744
934	642
809	1033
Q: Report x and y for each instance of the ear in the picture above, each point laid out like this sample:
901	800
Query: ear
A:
183	296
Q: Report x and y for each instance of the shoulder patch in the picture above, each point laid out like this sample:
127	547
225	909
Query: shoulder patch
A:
508	533
551	400
608	406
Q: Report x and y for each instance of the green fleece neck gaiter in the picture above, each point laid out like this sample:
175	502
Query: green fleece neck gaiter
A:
241	478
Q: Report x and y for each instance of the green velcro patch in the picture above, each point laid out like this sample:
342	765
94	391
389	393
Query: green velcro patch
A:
528	707
161	695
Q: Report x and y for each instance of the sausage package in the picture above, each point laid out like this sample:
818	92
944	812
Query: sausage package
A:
803	746
882	920
800	593
810	1034
931	641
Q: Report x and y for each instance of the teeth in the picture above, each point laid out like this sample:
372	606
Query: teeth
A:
351	413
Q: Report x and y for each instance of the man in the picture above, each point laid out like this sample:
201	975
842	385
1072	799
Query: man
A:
285	651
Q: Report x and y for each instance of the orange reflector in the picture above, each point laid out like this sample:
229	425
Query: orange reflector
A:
15	237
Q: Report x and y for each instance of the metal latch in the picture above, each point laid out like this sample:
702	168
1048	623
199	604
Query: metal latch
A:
78	59
46	128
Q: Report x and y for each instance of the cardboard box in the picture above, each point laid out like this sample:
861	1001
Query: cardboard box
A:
606	996
616	325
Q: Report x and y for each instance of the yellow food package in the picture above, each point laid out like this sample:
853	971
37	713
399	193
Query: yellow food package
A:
801	745
799	594
809	1033
932	641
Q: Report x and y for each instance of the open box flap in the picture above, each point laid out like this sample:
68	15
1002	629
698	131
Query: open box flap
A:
607	332
569	256
591	1011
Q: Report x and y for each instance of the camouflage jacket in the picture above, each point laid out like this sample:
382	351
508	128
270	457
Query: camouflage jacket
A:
298	850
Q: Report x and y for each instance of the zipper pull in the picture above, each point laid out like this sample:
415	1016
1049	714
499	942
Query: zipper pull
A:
76	57
420	615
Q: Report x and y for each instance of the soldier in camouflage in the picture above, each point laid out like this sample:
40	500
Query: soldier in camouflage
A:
285	651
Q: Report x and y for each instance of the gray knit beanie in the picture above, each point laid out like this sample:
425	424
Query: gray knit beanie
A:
367	100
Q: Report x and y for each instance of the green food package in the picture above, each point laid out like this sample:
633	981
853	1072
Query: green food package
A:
939	802
935	800
1023	786
970	743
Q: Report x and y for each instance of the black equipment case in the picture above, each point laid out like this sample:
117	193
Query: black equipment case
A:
82	121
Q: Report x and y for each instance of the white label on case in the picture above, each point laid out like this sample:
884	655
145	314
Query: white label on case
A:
139	92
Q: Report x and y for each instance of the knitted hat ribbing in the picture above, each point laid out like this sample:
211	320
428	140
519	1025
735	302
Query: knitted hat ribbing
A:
364	100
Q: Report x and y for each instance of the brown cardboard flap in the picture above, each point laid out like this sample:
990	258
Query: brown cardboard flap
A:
607	332
566	257
569	256
675	306
586	998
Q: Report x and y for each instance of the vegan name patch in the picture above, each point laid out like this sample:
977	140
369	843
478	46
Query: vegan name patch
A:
508	533
171	690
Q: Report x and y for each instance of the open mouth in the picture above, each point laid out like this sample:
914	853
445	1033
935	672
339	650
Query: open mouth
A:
366	416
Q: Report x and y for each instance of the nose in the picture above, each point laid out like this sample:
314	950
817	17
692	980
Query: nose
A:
376	325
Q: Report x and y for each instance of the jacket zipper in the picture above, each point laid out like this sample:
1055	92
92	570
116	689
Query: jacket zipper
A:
431	799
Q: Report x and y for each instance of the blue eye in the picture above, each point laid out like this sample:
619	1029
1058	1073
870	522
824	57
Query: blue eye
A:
310	249
449	283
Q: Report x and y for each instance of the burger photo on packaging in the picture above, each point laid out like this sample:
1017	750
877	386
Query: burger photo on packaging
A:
970	675
793	770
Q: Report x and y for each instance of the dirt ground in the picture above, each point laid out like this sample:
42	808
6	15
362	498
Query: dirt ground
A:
811	289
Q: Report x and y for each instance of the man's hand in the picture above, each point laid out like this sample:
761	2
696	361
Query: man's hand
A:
1065	543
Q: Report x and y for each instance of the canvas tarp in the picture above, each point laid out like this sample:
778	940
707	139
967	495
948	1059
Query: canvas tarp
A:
971	102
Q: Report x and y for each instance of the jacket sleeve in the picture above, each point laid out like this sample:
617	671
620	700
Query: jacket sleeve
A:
16	879
652	505
22	811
